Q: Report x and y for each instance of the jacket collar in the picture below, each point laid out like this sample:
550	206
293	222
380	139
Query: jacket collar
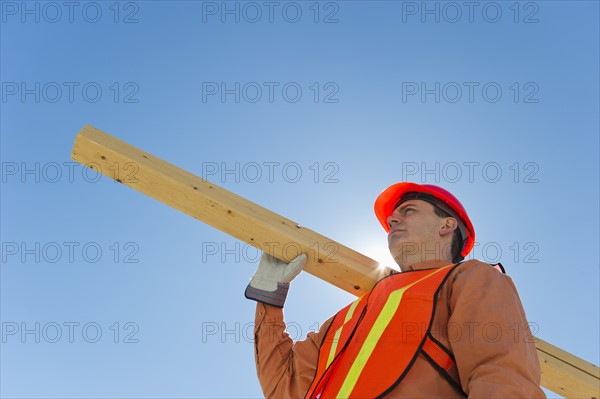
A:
430	264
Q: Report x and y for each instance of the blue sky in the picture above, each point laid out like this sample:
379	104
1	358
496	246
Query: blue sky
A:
319	106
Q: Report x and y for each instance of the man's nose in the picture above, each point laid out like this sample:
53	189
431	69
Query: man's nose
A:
392	219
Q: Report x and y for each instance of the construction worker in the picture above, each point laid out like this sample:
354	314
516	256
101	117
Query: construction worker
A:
442	328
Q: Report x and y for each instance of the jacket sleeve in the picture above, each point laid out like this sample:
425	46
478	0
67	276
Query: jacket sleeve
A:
285	368
490	337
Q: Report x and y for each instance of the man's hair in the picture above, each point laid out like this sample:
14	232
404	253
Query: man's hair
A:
456	245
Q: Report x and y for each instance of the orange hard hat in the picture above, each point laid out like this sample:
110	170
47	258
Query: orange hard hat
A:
387	201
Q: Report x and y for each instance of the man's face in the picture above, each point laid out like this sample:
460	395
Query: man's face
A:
416	232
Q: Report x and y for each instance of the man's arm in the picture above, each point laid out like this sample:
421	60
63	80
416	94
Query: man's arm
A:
285	369
495	353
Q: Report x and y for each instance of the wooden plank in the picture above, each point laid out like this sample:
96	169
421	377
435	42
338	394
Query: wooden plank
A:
226	211
335	263
567	374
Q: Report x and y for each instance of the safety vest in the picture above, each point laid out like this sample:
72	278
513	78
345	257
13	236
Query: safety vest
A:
372	343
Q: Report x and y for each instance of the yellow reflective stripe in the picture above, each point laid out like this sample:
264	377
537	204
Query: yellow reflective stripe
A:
383	320
336	338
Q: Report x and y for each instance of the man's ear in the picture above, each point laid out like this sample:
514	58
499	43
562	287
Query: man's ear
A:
448	226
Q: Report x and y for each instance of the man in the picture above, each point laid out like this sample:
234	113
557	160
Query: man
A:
440	329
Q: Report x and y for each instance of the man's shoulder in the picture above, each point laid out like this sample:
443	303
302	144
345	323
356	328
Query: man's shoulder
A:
479	270
479	280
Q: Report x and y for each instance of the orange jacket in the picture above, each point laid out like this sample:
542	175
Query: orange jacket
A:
478	317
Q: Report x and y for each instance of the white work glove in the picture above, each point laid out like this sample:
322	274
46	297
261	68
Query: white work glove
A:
272	279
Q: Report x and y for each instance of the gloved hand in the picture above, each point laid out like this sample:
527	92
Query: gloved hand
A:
272	279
